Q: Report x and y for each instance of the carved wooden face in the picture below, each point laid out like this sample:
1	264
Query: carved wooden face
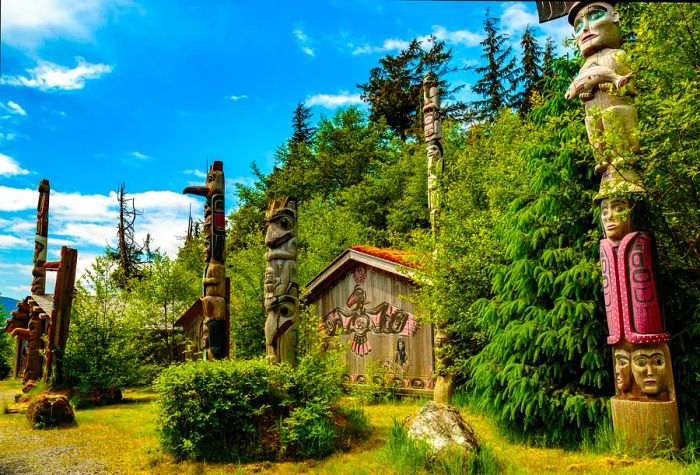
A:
280	229
649	369
616	216
596	26
623	370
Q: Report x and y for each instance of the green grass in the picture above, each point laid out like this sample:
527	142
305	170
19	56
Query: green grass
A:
124	438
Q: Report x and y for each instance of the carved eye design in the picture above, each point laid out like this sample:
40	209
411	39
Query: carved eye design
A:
285	224
658	361
641	362
596	14
578	27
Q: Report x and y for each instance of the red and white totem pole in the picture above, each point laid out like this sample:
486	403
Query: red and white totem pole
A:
215	296
644	408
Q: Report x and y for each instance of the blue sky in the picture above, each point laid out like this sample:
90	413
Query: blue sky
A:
98	92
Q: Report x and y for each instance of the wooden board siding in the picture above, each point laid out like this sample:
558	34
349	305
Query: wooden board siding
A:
382	286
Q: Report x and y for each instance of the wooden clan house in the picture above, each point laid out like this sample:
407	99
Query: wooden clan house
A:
361	296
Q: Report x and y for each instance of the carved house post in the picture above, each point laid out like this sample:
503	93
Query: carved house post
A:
644	408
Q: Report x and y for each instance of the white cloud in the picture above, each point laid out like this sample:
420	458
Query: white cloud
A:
10	167
456	37
28	24
198	173
391	44
332	101
139	155
47	76
7	136
13	108
304	42
517	16
238	98
12	242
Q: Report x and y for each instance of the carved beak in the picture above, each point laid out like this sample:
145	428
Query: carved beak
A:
196	190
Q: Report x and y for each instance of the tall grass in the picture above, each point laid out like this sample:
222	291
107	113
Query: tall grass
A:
408	455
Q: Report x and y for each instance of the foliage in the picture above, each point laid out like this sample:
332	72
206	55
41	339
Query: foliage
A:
7	346
128	254
545	367
530	74
393	90
105	347
239	411
498	76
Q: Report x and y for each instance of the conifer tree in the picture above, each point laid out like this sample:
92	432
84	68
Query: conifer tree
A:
302	132
548	57
530	71
499	76
545	369
127	254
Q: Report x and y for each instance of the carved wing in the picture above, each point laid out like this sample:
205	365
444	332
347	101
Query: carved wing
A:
613	311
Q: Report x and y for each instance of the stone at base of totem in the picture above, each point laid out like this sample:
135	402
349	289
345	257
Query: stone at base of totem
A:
646	425
444	387
442	427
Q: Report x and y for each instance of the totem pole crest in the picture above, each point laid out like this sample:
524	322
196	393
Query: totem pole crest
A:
214	299
644	408
41	239
281	284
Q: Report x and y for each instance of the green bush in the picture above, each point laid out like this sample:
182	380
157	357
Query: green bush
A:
241	411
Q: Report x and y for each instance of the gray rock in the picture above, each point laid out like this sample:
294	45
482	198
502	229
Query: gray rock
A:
441	426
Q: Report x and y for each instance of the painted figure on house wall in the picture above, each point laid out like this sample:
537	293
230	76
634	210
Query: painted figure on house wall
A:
281	284
214	279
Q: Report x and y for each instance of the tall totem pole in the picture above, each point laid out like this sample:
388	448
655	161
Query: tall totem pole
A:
281	285
644	408
41	239
432	128
214	299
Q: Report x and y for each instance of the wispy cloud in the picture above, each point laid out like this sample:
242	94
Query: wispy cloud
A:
391	44
47	76
517	16
198	173
238	98
10	167
456	37
304	41
12	242
28	24
13	108
333	101
139	155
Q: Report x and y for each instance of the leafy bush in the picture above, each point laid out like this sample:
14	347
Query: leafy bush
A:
249	410
6	353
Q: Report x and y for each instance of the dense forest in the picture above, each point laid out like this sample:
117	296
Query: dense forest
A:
515	277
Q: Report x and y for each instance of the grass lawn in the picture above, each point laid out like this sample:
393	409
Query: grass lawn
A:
123	439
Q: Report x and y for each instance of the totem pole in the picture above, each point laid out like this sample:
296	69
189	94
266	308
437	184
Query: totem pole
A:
644	408
432	128
214	299
281	286
40	239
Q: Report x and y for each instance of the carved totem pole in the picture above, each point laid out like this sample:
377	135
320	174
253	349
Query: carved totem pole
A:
432	128
41	239
214	299
644	407
281	286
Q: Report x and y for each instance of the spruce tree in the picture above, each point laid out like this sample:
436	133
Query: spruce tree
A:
545	371
499	76
548	57
302	132
530	71
127	254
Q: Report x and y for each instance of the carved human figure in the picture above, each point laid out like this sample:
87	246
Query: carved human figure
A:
432	128
281	286
649	370
604	72
33	362
214	279
623	370
616	216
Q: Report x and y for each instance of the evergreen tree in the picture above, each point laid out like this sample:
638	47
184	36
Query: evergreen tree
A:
548	57
393	90
530	71
499	76
127	254
302	132
546	368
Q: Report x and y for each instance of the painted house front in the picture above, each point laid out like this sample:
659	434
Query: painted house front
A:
361	296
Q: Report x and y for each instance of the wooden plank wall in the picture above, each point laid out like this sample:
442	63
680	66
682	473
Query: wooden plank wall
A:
416	373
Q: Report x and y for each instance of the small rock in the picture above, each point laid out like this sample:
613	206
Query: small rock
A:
50	410
441	426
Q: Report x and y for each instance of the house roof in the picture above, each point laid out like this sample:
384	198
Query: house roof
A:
393	261
190	315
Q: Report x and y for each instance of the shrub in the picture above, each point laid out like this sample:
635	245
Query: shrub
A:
241	411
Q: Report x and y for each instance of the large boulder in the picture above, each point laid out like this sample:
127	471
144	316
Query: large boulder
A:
442	427
50	410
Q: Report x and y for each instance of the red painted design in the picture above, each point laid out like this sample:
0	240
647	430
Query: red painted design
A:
629	285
